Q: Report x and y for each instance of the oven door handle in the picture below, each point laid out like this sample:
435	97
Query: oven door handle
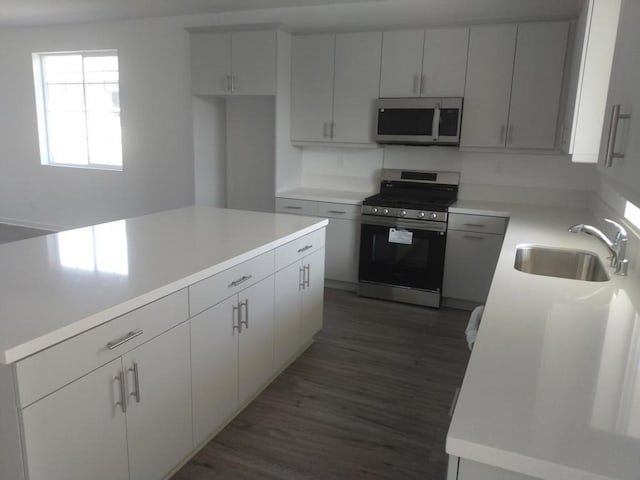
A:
404	223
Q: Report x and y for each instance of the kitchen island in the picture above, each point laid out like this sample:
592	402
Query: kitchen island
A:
551	389
135	341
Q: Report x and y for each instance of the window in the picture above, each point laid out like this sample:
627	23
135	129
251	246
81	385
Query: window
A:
78	101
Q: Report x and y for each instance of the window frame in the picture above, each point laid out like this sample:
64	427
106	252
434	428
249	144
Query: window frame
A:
42	102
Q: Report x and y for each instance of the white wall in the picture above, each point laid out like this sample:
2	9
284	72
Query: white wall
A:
156	131
518	178
210	151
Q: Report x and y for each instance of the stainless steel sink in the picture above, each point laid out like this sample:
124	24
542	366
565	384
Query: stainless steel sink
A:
560	262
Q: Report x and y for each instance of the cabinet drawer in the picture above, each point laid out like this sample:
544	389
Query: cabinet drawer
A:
339	210
299	248
216	288
477	223
298	207
57	366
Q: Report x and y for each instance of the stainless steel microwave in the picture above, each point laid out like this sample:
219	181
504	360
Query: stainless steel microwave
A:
419	121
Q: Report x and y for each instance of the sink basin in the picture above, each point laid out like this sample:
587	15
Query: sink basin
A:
560	262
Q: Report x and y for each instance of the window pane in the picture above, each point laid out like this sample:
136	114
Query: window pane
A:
82	108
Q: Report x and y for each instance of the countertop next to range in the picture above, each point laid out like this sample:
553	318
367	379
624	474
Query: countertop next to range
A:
60	285
552	389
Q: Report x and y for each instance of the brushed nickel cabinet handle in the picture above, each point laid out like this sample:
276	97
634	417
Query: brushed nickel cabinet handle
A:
307	276
423	84
244	322
239	281
301	272
473	237
338	212
292	207
233	83
305	248
123	394
129	336
136	382
332	129
616	116
236	313
476	225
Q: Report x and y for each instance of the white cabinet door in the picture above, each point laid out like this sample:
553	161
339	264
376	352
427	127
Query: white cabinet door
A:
624	91
537	85
210	63
402	53
78	432
444	64
256	339
288	311
342	247
470	261
253	62
159	424
312	295
214	367
488	85
312	65
356	87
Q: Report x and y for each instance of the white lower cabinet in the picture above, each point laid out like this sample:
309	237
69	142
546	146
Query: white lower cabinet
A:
299	291
473	248
129	419
78	432
231	355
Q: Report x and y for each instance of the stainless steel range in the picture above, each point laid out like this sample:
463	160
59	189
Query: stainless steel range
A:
403	236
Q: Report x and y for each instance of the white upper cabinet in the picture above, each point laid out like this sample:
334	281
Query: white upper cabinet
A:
444	65
488	87
593	57
514	83
537	85
624	91
357	81
233	63
312	87
334	85
424	63
401	71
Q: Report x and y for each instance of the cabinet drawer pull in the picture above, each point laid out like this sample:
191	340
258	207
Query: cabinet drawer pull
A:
123	395
416	84
339	212
301	274
423	84
129	336
292	207
305	248
610	152
239	281
136	382
473	237
331	129
454	402
476	225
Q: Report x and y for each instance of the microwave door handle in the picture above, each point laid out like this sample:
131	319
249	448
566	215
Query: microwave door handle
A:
435	128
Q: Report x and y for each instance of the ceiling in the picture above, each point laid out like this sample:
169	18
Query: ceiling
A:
15	13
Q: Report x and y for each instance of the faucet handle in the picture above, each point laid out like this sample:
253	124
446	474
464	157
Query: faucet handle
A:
622	233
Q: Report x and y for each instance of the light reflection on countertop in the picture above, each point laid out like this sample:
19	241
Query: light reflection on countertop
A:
101	248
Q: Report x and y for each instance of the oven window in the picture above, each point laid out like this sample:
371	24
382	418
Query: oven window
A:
418	264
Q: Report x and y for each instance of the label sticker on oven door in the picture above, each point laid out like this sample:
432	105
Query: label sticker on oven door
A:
400	236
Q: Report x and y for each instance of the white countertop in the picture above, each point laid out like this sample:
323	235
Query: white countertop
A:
325	195
552	389
56	286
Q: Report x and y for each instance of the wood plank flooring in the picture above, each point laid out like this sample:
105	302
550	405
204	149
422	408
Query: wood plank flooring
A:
368	400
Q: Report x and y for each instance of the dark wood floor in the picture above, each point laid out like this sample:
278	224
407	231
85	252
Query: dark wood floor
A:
368	400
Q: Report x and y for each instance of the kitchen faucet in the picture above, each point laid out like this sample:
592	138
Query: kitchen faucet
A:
618	247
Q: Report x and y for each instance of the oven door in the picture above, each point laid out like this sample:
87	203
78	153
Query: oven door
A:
402	253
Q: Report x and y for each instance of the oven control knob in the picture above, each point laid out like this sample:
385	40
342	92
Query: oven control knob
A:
421	215
385	211
433	215
374	210
403	213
